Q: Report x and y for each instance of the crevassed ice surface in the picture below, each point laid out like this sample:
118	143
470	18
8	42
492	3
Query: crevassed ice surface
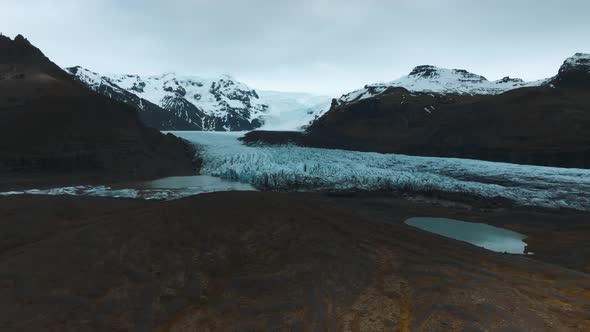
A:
300	168
481	235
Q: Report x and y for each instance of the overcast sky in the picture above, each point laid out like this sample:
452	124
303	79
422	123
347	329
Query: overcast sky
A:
320	46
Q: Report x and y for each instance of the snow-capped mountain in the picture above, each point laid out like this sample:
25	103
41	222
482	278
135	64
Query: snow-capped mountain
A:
292	110
172	102
151	114
228	104
574	71
191	103
441	80
577	62
541	123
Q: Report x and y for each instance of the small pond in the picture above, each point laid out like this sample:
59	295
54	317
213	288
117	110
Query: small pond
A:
481	235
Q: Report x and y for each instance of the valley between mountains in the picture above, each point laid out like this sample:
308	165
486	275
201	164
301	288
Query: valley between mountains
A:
430	112
452	113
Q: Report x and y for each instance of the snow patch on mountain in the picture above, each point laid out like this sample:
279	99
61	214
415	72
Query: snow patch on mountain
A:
441	80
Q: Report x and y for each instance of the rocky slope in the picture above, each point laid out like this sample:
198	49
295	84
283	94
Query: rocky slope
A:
543	124
51	124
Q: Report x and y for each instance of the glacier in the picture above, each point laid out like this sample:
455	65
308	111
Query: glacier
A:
227	164
292	111
294	168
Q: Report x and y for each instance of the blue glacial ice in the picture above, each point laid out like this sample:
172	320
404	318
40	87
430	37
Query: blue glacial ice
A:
297	168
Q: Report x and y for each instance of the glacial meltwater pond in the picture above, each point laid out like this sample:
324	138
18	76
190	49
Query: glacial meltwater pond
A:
182	186
481	235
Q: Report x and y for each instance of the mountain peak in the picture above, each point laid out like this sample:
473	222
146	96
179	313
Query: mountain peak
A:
575	71
76	69
18	50
509	79
20	39
425	71
579	61
429	72
226	77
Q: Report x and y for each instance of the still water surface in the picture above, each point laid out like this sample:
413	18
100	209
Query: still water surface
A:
481	235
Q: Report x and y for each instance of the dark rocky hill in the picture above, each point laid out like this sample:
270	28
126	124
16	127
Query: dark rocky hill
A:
283	262
50	123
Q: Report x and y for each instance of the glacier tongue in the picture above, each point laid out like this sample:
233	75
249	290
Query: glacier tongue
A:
292	110
299	168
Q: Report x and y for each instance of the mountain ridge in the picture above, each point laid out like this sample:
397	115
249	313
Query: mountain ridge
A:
428	78
178	102
182	102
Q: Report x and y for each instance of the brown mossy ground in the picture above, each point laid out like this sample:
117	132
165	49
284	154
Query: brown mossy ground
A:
296	262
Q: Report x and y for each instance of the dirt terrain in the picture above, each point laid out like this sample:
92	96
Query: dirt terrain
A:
256	261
